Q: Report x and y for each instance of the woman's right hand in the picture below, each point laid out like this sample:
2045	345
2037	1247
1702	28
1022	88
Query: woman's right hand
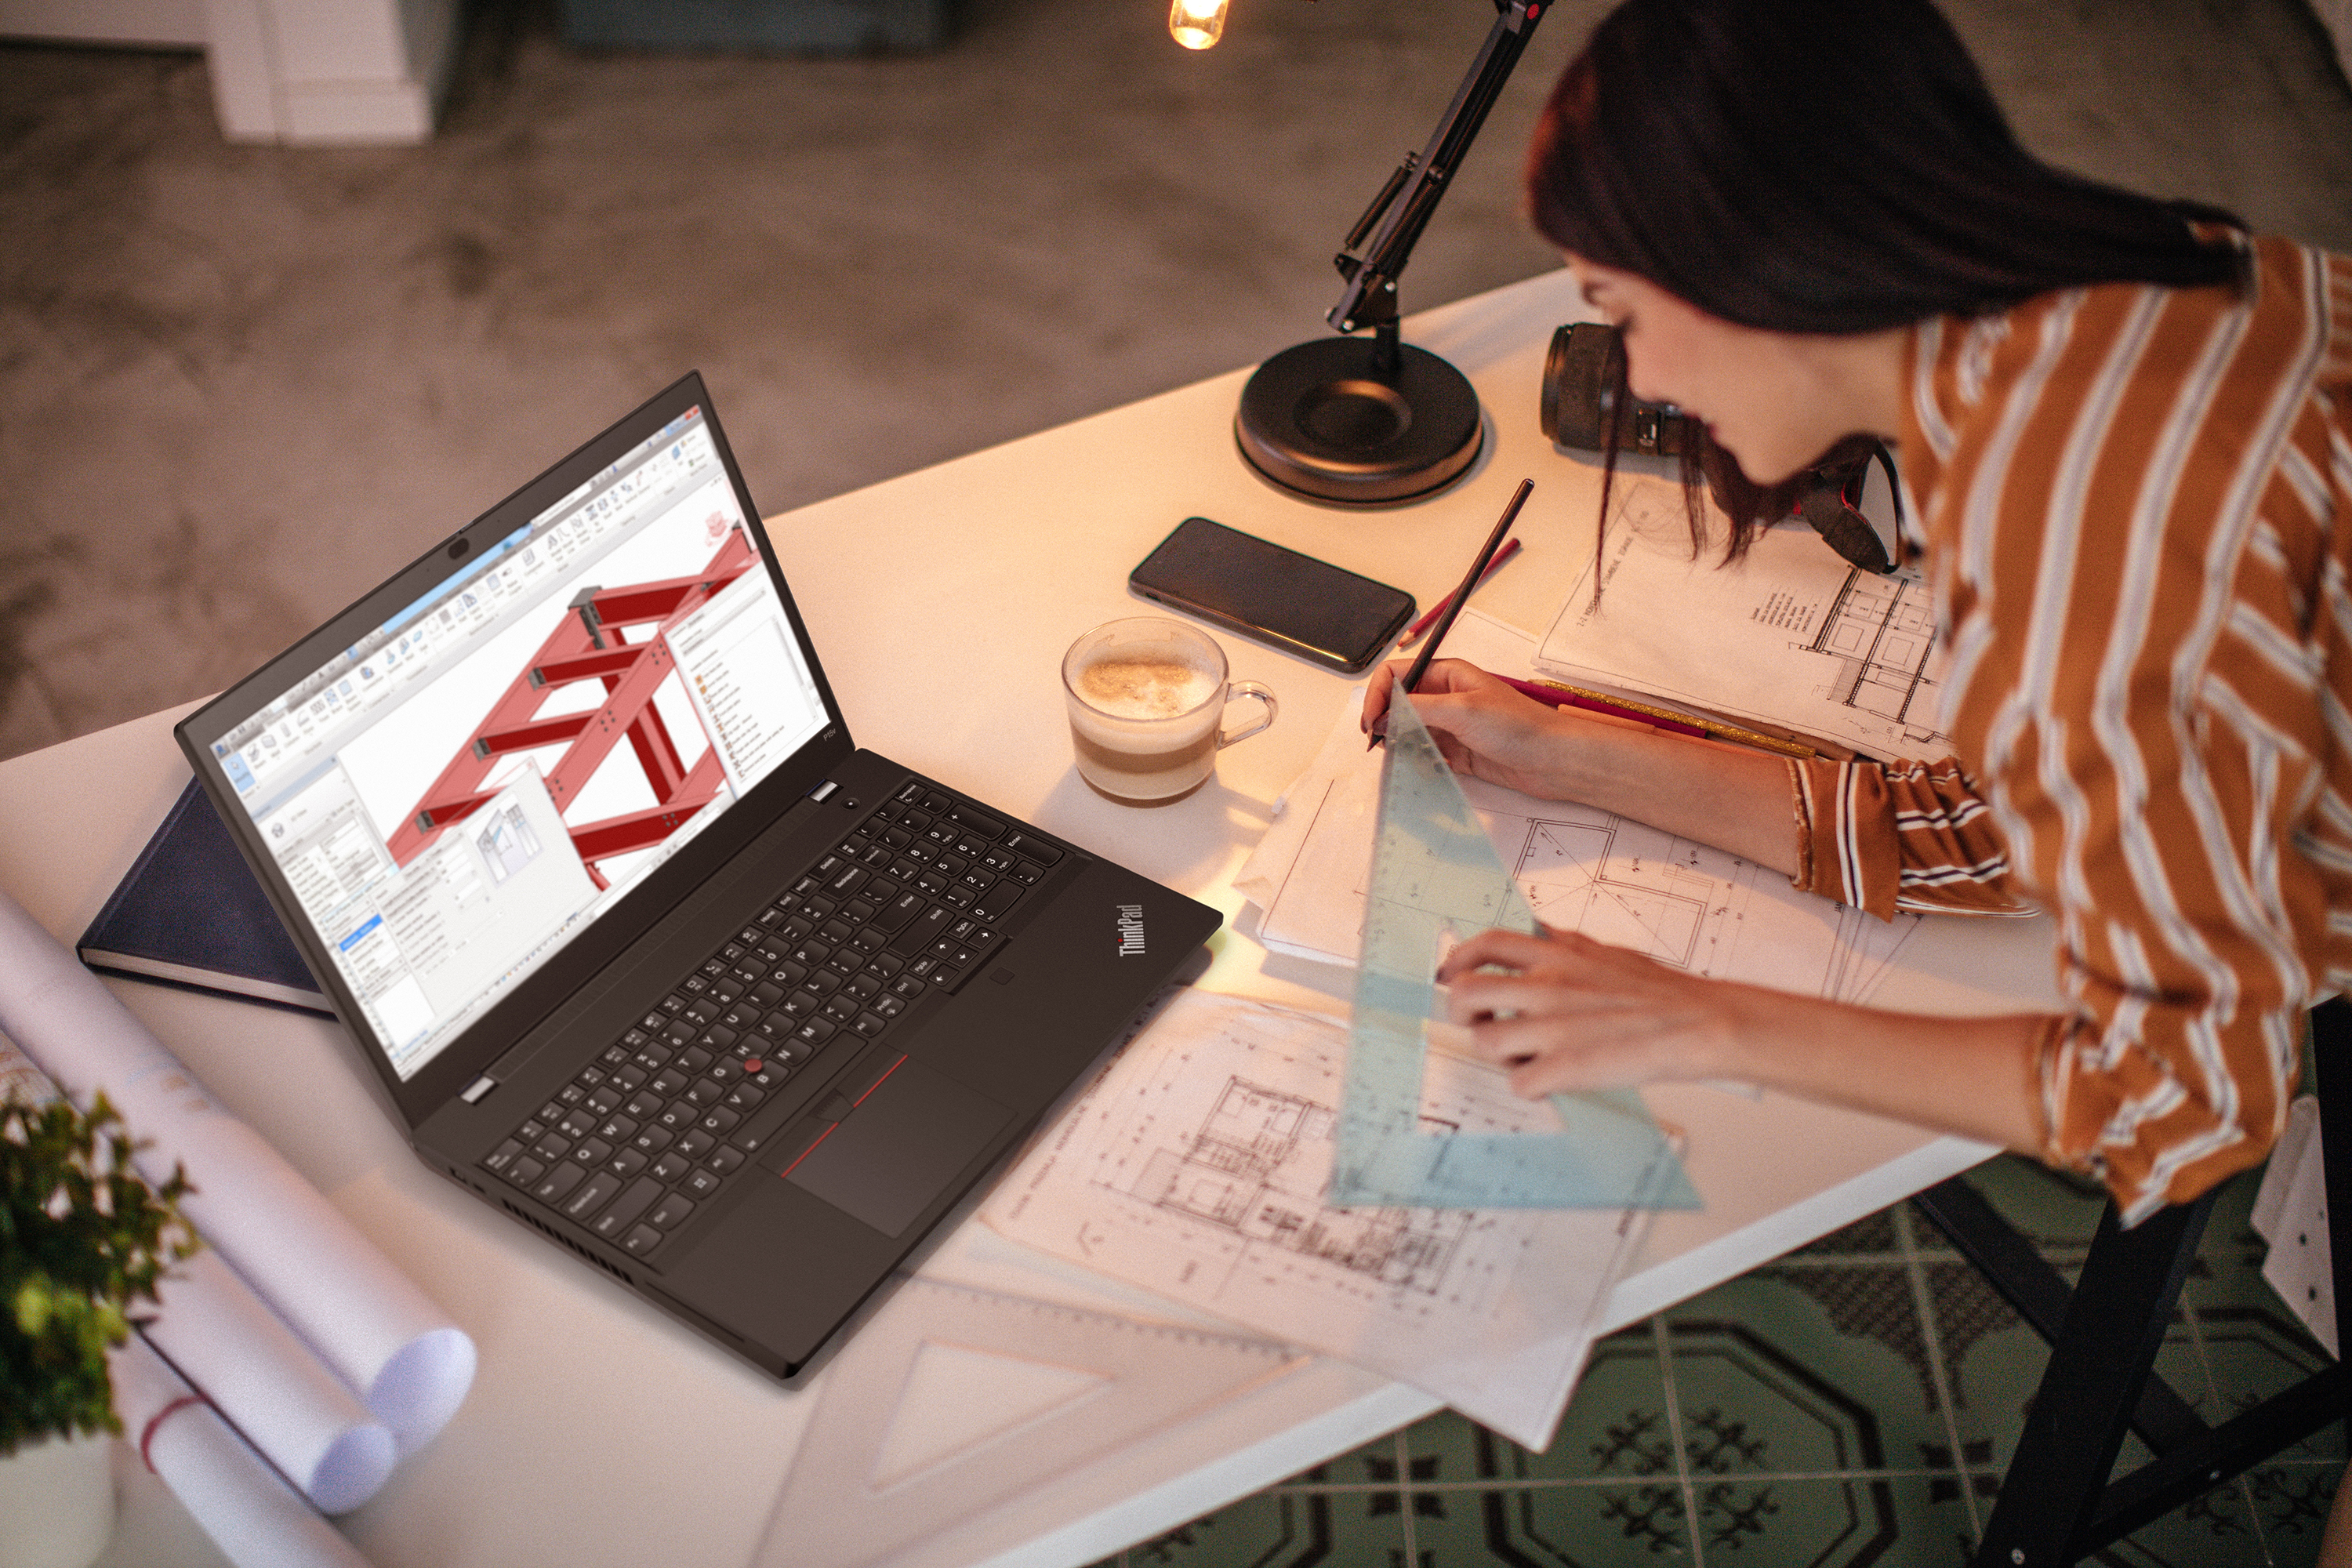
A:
1483	727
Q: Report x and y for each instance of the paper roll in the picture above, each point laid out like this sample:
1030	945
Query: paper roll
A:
365	1320
252	1515
225	1339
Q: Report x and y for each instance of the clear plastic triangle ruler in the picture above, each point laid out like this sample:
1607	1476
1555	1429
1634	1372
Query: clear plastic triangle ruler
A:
1436	873
952	1401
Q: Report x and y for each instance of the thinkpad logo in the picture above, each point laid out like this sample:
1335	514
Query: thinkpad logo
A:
1130	929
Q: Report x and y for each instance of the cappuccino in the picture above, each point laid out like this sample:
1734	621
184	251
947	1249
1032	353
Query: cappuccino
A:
1135	685
1145	696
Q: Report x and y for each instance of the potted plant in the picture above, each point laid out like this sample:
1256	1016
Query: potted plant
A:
82	1238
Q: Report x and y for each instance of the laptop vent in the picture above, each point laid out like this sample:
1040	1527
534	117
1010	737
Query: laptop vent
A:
554	1235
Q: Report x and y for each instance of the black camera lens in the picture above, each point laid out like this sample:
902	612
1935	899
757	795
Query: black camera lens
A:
1581	374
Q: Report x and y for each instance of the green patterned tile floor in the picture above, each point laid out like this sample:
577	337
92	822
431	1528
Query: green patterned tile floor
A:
1851	1403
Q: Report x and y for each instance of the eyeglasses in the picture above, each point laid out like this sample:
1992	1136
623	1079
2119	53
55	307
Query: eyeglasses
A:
1832	507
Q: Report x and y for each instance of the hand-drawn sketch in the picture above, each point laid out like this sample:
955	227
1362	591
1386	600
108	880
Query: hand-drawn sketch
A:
1249	1169
1196	1166
1683	902
1788	635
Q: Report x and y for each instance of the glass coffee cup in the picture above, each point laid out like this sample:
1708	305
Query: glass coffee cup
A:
1146	698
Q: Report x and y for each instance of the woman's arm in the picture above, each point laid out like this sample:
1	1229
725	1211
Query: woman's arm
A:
1729	797
1565	1013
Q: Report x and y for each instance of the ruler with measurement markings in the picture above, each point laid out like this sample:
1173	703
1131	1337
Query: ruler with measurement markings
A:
1435	878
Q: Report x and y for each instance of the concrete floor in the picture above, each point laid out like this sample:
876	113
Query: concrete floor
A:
240	384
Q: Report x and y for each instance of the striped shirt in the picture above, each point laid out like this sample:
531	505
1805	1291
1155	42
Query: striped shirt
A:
2136	508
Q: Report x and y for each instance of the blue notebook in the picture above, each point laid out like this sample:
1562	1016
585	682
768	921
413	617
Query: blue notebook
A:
189	912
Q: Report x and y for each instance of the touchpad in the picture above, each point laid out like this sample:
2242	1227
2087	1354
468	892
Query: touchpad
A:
890	1157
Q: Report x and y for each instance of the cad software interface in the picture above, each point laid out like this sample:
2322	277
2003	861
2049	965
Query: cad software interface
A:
461	793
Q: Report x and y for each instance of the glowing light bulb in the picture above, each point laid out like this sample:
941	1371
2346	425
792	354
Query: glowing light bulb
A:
1196	24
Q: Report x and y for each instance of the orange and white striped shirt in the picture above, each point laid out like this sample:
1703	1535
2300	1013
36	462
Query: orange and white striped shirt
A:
2137	507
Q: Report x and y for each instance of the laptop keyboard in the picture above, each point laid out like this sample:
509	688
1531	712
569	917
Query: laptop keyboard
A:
907	904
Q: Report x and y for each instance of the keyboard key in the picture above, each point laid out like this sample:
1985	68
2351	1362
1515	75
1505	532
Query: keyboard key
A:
592	1152
1035	848
700	1183
697	1144
524	1171
667	1083
868	1025
671	1166
624	1213
673	1209
1000	901
606	1101
641	1241
652	1140
978	822
627	1162
721	1121
558	1180
725	1160
618	1129
591	1195
499	1158
746	1097
692	1062
921	931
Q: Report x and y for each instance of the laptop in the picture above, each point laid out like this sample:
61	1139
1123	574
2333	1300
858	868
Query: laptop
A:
647	954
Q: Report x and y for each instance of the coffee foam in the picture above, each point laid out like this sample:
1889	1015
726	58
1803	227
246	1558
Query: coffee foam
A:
1145	686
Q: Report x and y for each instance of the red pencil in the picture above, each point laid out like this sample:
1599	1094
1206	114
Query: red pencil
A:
1413	633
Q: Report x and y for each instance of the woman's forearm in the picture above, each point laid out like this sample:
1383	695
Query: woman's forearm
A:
1978	1078
1733	798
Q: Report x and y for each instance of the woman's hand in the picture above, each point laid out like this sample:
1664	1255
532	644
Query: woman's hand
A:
1482	726
1565	1013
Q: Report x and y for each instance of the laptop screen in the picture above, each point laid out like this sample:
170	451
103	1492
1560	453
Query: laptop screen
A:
471	784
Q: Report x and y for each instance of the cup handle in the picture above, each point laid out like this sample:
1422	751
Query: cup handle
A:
1247	689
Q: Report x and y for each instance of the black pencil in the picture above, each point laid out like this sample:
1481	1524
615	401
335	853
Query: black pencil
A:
1462	595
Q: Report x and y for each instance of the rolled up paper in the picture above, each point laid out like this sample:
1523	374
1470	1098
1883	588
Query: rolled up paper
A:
371	1325
248	1509
225	1339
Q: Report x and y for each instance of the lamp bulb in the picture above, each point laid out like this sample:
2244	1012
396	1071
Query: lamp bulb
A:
1196	24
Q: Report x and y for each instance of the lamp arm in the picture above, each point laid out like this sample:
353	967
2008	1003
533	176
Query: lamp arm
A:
1404	205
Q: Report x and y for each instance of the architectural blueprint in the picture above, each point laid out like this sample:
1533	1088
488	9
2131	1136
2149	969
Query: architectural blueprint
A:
1790	635
1196	1167
1616	880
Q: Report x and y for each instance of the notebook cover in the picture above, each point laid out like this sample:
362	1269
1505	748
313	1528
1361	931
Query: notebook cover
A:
191	913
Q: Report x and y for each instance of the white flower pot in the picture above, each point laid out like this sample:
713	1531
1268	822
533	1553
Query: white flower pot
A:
57	1503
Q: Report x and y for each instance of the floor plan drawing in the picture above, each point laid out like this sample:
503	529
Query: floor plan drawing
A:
1882	633
1790	635
1249	1170
1196	1167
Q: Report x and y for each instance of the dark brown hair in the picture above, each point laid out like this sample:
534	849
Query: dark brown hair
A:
1828	166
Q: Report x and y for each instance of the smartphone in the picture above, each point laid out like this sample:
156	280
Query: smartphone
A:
1278	596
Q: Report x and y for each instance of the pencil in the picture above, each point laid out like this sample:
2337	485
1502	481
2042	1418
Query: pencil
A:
1576	695
1462	595
1413	633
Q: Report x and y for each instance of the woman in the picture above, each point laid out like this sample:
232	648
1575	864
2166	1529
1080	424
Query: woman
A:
2125	447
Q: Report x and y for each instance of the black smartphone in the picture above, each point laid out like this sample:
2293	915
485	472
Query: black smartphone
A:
1282	598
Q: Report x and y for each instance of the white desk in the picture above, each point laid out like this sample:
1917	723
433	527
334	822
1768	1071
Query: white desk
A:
598	1432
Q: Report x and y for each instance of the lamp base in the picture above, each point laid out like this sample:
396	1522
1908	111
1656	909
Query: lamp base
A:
1320	420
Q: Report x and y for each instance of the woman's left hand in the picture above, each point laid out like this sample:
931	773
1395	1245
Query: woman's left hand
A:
1565	1013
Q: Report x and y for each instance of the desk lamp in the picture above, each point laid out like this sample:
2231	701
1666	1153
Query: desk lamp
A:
1365	420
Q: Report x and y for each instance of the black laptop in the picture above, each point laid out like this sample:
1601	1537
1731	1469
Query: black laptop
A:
568	824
